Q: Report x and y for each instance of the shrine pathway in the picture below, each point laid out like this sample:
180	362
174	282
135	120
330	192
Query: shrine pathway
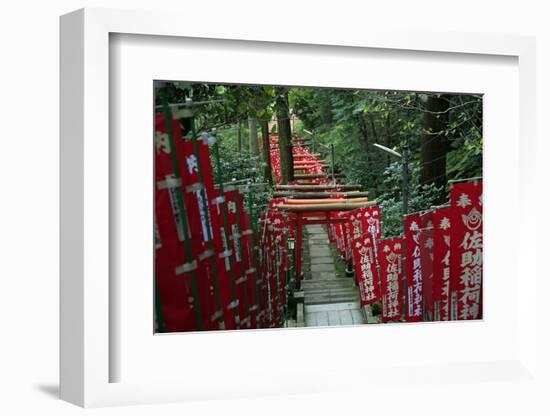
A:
328	298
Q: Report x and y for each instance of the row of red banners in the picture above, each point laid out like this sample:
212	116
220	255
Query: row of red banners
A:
208	273
215	271
441	256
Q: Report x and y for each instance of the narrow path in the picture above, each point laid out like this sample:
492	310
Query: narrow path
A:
328	299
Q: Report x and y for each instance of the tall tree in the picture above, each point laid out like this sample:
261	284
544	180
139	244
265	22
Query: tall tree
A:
285	142
266	156
253	133
239	137
434	143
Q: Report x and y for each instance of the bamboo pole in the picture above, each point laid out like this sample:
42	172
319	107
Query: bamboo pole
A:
313	195
323	201
346	206
317	187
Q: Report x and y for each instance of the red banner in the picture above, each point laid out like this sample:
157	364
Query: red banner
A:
442	263
200	193
234	206
365	270
390	257
413	268
426	244
248	262
173	266
222	247
365	221
277	264
348	239
467	249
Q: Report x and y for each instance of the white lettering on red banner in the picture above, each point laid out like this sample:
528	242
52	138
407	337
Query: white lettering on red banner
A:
467	248
413	268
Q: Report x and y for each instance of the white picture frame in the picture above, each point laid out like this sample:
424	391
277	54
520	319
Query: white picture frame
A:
86	292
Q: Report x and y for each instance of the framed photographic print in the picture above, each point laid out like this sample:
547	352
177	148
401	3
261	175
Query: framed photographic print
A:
283	213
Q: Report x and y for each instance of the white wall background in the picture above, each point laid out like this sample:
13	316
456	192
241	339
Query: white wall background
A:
29	56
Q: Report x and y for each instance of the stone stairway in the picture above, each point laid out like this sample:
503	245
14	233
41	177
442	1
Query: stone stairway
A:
328	299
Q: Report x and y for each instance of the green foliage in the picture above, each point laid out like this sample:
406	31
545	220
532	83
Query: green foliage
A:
377	308
421	197
351	121
242	165
466	157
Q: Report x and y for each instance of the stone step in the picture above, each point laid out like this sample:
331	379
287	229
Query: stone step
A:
329	292
322	260
338	282
322	276
334	314
322	267
335	290
318	235
320	299
315	254
314	242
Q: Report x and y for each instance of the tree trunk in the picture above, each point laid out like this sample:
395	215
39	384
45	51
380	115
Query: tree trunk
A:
285	143
266	152
434	144
388	138
239	138
253	136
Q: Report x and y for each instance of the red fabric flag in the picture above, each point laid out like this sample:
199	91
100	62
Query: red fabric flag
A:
365	221
372	221
467	249
348	239
426	244
248	262
442	263
238	262
172	264
413	268
222	246
365	270
390	256
199	196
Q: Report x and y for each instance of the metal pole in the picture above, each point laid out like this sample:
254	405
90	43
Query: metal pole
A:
405	174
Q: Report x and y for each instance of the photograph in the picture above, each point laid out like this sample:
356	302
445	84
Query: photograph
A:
289	206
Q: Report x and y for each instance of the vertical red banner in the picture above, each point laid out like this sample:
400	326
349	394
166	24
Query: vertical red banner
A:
249	270
426	244
365	270
222	249
198	194
173	266
233	211
467	249
390	255
372	221
348	238
413	268
442	263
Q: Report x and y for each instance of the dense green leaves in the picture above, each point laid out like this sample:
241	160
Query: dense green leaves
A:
352	121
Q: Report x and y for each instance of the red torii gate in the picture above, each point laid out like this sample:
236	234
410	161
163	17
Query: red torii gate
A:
316	213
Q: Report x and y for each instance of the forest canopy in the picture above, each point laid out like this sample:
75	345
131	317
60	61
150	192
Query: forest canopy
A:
441	132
